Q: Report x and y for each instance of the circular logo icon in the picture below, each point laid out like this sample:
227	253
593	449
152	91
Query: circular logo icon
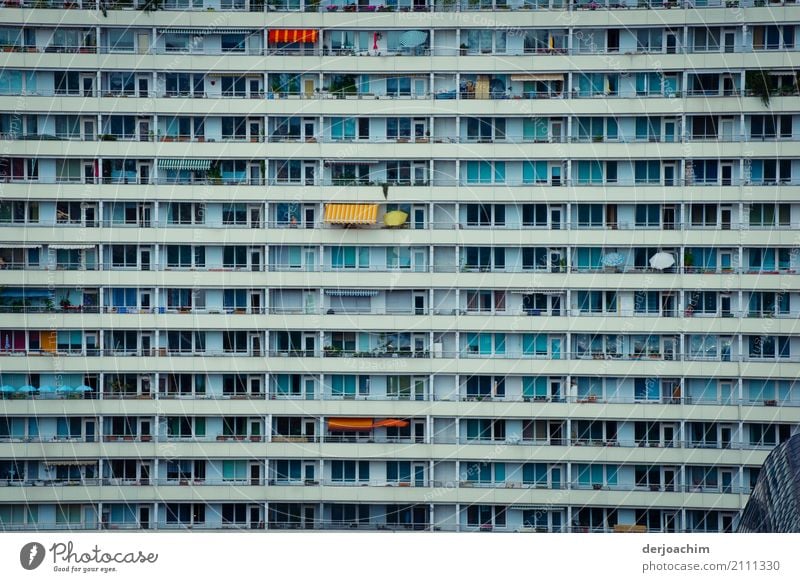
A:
31	555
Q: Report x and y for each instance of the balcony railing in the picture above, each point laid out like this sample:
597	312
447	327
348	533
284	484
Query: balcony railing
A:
415	6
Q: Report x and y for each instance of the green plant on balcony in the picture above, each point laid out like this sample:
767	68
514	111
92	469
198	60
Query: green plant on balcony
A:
332	351
343	85
214	175
688	260
757	83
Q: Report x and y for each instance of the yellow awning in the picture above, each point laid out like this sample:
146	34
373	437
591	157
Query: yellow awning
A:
351	213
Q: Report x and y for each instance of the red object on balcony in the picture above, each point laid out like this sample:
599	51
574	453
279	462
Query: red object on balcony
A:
293	35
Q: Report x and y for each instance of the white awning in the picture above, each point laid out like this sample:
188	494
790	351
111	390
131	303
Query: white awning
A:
60	247
540	291
18	246
351	292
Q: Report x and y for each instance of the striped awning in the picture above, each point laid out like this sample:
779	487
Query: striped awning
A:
184	164
18	246
71	462
71	247
293	35
207	31
351	292
351	213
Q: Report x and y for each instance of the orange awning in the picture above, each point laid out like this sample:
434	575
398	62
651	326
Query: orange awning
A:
293	35
351	213
359	424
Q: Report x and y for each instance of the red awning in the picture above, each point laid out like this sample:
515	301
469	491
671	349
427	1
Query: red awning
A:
293	35
363	424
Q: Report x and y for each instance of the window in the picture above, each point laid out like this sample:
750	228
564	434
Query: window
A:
234	257
486	516
702	301
185	256
764	259
596	129
773	37
534	345
649	84
398	127
186	513
647	172
649	39
19	211
232	43
770	215
350	257
485	172
120	40
398	86
706	39
648	215
349	471
486	387
234	341
186	426
233	86
485	429
398	257
484	258
486	214
534	215
589	172
186	213
348	386
186	341
288	470
597	301
534	172
770	127
767	346
485	343
343	128
124	256
591	84
590	215
770	172
764	303
398	471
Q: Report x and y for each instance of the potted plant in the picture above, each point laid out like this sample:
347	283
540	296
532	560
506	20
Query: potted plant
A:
214	175
688	261
757	83
462	50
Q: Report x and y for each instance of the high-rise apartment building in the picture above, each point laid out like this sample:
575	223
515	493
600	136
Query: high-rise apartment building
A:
510	265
